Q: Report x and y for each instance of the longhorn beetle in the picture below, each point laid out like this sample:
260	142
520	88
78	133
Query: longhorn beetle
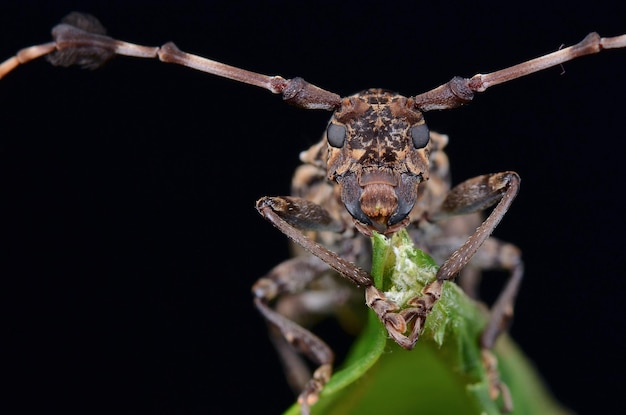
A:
377	169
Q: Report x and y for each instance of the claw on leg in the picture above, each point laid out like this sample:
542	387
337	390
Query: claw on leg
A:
410	319
312	390
497	388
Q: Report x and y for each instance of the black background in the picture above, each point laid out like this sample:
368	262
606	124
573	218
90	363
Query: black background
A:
129	234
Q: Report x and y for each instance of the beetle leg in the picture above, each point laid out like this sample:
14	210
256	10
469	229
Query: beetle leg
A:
287	288
471	196
499	319
309	344
289	215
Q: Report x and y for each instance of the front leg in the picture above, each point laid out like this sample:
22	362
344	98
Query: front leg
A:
290	214
470	196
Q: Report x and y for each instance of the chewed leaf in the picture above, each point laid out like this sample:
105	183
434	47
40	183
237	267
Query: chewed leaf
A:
444	373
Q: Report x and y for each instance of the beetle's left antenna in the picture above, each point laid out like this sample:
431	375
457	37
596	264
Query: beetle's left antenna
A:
80	39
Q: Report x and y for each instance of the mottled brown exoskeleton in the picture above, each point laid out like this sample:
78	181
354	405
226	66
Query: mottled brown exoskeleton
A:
377	168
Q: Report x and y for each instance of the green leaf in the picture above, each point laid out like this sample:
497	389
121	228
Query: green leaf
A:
443	374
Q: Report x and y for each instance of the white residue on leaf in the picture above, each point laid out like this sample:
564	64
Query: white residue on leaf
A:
405	280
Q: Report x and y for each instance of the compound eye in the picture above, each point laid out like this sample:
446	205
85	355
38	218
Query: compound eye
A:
419	135
336	135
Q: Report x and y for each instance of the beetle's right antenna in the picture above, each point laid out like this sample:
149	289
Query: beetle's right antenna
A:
80	39
459	91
